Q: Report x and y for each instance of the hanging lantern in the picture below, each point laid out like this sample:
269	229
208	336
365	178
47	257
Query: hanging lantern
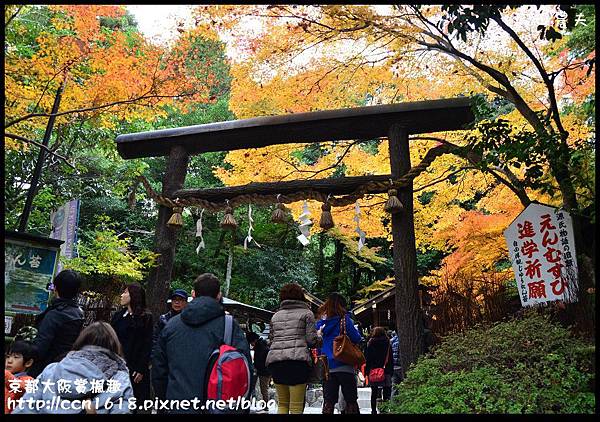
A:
228	221
393	204
326	221
279	215
176	220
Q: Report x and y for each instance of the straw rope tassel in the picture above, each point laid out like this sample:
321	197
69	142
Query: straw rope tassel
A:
393	204
228	221
131	196
176	220
326	221
278	215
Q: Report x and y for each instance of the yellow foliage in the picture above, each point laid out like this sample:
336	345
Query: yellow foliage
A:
101	68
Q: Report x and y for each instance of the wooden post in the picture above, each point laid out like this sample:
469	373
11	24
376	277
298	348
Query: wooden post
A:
159	279
408	311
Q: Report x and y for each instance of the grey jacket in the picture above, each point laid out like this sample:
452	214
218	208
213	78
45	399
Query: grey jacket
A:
89	363
292	332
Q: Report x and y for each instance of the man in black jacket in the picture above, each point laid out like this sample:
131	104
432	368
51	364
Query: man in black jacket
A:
180	359
261	350
60	324
179	300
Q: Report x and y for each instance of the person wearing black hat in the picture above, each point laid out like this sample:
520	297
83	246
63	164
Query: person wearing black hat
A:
179	300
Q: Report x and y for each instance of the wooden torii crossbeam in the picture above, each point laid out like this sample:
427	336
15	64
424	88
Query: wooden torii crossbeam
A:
394	122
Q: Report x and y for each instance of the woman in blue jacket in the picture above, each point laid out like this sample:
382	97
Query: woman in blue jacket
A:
340	374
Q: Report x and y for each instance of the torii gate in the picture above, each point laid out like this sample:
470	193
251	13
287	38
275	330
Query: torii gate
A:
394	121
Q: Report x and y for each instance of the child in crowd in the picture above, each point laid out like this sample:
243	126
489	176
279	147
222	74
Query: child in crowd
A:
19	359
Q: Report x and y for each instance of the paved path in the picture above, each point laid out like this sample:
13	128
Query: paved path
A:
364	402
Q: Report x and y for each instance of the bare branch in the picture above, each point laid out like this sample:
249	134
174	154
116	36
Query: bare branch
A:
44	147
14	15
439	180
83	110
540	67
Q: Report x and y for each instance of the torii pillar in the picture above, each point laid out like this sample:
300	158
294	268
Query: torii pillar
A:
409	319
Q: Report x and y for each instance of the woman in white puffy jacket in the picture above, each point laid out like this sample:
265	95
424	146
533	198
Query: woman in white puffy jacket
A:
93	372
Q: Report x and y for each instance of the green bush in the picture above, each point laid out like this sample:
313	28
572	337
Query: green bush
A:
526	365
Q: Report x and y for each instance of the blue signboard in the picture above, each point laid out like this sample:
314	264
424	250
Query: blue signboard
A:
29	268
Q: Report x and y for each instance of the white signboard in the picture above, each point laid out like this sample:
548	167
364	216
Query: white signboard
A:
7	324
541	246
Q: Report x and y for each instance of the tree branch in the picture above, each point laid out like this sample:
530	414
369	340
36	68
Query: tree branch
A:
541	70
83	110
13	16
435	182
29	141
513	183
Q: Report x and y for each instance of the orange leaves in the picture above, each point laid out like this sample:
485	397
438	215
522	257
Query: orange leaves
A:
580	81
478	246
108	64
86	19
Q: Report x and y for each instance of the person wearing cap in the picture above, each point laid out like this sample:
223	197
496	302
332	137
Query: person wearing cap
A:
179	300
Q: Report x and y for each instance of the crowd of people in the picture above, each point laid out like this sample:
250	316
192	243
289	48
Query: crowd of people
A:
171	360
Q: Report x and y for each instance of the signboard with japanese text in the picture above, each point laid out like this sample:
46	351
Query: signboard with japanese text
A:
541	246
29	267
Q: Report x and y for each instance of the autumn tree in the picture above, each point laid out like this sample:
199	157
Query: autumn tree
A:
106	74
524	140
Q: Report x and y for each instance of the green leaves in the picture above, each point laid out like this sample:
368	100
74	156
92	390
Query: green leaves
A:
500	144
464	20
103	252
526	365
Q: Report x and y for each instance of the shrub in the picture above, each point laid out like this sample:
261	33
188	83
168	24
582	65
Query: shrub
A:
525	365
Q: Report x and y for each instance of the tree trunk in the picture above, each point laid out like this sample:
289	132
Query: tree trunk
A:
337	265
355	279
159	279
581	313
229	266
321	261
409	321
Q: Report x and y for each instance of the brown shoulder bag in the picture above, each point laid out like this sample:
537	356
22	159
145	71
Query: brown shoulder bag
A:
346	351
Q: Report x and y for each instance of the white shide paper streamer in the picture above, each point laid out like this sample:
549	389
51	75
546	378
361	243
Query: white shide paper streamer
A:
249	238
304	225
361	234
199	232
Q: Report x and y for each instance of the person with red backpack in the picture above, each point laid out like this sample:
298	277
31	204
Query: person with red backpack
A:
202	353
